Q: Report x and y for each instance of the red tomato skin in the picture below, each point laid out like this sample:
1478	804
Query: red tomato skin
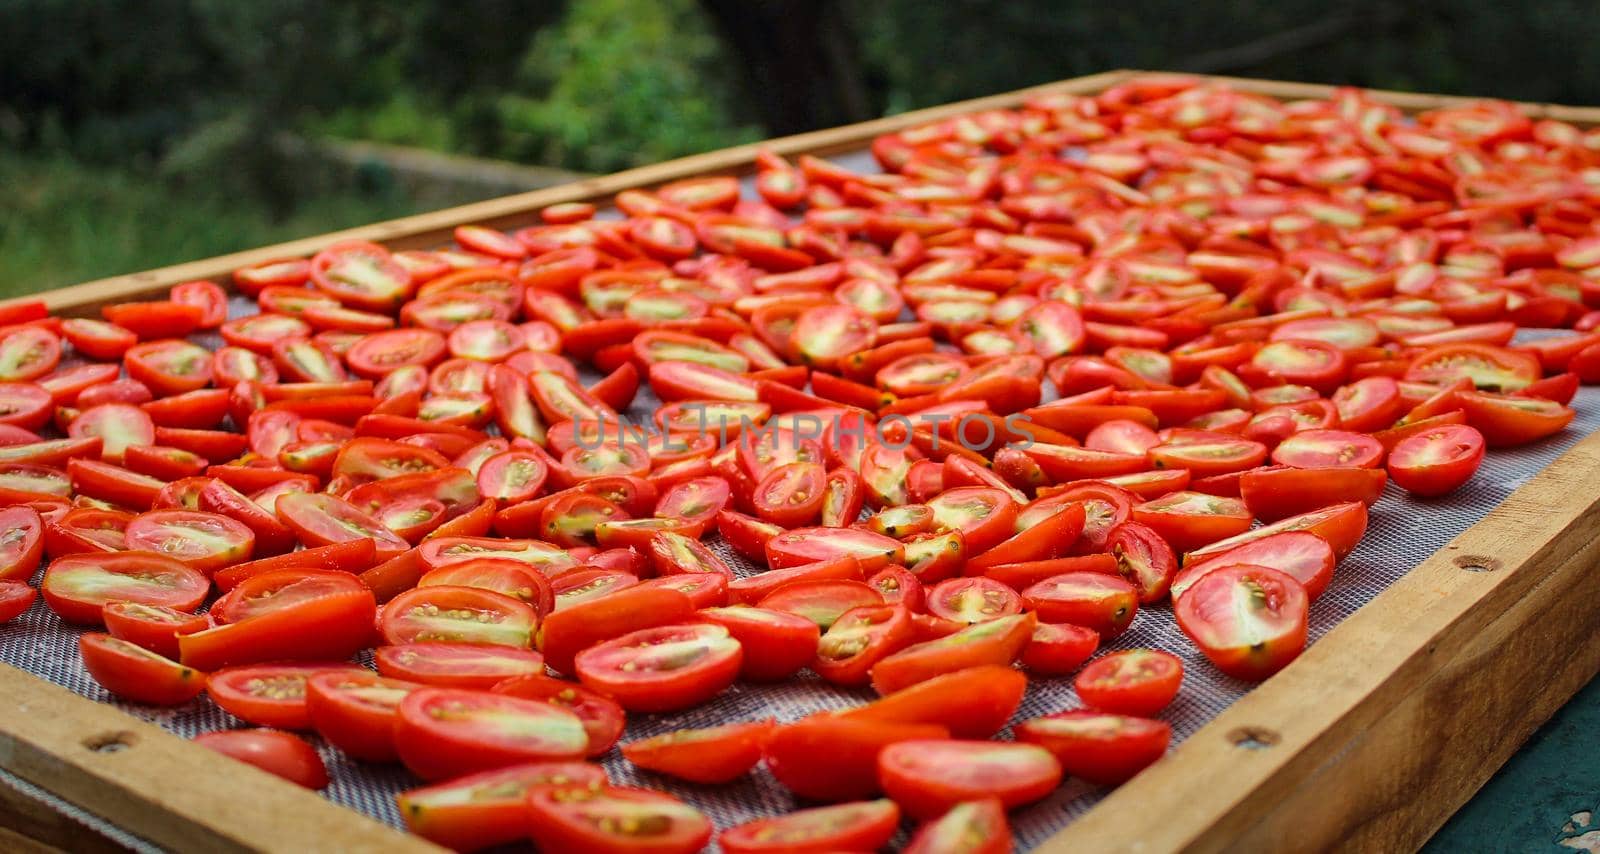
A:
281	753
602	718
1058	649
829	759
497	811
970	827
1103	749
777	644
1139	682
853	826
141	676
927	778
719	754
1412	466
362	731
975	702
436	748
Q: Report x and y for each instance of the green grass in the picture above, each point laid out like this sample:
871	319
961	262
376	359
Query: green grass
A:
64	222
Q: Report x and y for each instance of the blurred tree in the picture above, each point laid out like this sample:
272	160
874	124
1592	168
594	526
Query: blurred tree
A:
619	83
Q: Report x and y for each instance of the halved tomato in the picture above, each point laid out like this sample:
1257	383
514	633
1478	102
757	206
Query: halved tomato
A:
450	614
134	673
718	754
615	820
776	644
272	695
1250	621
1437	461
1508	421
859	826
1131	682
1101	748
970	827
275	752
457	665
447	732
1310	449
1488	367
78	586
997	642
489	808
1274	492
928	777
206	541
831	759
1300	554
603	719
662	669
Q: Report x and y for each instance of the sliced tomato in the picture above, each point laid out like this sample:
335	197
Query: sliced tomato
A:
1509	421
974	702
717	754
491	807
1275	492
1437	461
275	752
615	820
1302	555
928	778
457	665
832	759
603	719
287	615
1487	367
447	732
1250	621
1137	682
1309	449
662	669
777	644
77	587
1057	649
134	673
322	520
970	827
453	614
1340	524
206	541
858	826
1105	749
998	642
270	695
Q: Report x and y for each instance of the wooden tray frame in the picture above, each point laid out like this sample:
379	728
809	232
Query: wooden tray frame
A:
1369	741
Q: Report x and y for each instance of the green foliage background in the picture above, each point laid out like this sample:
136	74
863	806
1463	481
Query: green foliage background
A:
141	132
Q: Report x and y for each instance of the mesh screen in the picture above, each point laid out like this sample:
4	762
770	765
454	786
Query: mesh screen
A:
1403	531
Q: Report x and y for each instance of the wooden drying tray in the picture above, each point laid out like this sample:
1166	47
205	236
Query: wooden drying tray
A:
1370	740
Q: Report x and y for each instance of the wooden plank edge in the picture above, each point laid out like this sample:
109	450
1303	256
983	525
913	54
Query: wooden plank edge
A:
1390	722
165	789
1289	90
34	825
430	229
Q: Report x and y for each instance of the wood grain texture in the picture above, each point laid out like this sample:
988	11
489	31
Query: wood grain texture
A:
26	821
426	230
1394	718
165	789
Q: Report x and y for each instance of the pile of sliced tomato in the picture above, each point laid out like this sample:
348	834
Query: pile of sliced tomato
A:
1149	355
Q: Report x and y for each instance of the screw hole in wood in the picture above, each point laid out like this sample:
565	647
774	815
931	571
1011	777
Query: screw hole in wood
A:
1253	738
110	742
1476	563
